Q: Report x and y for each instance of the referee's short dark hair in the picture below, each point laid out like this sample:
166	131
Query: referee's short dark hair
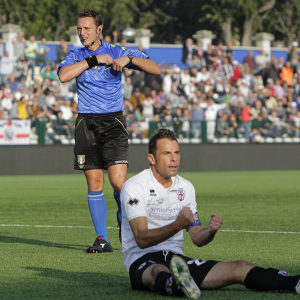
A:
91	13
161	133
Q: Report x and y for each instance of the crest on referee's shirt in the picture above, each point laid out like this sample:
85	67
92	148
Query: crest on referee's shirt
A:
181	194
81	159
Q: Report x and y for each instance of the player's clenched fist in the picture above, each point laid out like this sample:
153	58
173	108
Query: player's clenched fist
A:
104	59
215	221
185	218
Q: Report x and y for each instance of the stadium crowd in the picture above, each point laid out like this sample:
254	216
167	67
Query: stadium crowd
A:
252	100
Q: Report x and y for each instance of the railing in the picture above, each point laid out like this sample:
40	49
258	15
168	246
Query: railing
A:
50	132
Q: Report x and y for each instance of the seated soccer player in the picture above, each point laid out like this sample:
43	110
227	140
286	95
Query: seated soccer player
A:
157	205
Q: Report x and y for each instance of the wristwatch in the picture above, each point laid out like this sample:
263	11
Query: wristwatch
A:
130	56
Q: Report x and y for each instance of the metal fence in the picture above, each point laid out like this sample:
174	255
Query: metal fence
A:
219	131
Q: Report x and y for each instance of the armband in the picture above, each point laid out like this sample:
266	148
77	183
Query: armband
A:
92	61
196	221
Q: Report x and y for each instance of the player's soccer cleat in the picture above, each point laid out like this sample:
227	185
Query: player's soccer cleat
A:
297	288
119	225
100	246
180	272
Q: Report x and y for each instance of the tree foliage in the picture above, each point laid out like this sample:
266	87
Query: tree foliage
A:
168	20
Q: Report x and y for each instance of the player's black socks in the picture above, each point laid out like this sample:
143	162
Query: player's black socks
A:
261	279
165	284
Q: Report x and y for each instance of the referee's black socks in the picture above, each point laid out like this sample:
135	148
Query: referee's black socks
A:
270	279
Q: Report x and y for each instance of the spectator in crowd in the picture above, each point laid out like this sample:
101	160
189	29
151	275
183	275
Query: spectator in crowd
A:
211	56
189	54
225	69
127	88
287	74
229	52
42	59
137	99
293	54
6	66
61	126
261	59
20	69
48	73
22	108
116	38
30	53
1	48
246	121
19	45
211	113
236	73
200	53
292	129
62	50
272	70
250	62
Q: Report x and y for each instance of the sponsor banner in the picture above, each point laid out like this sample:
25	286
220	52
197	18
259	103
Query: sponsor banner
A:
14	132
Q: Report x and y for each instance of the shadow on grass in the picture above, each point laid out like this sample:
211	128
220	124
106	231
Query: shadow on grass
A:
18	240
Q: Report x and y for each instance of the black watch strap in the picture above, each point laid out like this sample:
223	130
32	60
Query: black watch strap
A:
130	56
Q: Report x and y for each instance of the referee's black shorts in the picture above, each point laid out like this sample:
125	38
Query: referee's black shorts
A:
101	140
198	268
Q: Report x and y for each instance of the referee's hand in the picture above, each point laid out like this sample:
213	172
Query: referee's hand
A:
104	59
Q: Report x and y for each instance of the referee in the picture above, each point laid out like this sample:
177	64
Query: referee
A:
101	137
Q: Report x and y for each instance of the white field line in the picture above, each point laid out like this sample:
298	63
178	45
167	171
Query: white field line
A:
86	227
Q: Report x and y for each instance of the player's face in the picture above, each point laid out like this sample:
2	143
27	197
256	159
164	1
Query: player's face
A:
87	31
167	158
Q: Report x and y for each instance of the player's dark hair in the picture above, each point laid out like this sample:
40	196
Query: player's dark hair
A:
91	13
160	134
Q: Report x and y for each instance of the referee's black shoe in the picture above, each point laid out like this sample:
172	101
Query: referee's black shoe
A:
100	246
119	225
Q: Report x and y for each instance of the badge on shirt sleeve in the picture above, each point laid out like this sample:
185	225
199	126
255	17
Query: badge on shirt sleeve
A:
133	201
181	194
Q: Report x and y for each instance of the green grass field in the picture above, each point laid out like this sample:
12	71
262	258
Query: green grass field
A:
46	227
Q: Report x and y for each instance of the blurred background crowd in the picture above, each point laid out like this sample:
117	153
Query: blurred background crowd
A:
210	96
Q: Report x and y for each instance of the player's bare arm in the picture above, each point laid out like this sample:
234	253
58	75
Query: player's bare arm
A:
145	237
202	236
145	64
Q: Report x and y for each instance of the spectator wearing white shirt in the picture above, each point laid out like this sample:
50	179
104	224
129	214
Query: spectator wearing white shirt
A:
185	77
67	113
203	75
6	66
211	113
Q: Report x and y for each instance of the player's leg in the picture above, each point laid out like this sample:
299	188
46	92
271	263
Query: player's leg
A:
117	175
114	153
158	278
98	210
226	273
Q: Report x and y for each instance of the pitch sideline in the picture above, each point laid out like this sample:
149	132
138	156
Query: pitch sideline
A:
86	227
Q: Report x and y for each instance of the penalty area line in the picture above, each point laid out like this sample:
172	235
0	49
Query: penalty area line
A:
87	227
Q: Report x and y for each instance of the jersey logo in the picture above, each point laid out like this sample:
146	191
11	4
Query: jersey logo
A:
133	202
181	194
124	48
63	62
152	193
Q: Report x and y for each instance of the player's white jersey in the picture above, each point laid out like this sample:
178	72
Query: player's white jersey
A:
144	196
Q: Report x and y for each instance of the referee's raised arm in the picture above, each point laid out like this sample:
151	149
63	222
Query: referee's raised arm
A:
67	73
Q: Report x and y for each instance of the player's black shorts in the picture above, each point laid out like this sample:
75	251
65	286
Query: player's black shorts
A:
101	140
198	268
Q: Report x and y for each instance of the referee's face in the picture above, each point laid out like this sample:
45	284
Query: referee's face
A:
165	164
88	32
